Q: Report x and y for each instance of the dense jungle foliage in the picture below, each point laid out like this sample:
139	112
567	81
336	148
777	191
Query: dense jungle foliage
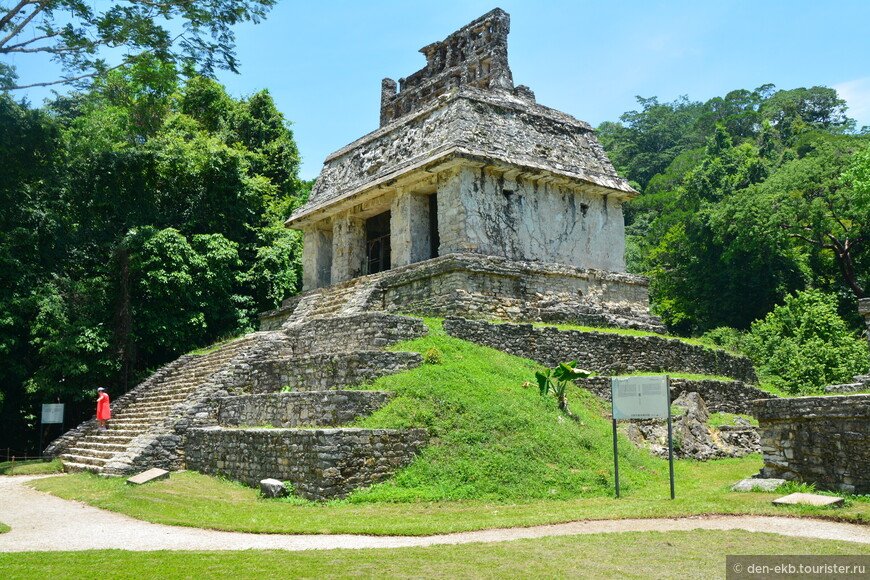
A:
141	218
752	224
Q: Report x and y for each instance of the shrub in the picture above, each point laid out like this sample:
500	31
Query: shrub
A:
803	345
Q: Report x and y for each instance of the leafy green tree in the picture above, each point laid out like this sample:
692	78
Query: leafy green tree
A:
645	142
803	345
703	275
76	34
797	110
136	226
820	201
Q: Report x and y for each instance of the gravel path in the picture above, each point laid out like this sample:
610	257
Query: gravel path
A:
42	522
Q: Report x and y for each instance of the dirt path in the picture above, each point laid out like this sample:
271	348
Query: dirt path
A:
42	522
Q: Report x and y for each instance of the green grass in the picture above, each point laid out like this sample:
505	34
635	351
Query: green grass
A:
718	419
500	455
492	438
191	499
697	554
30	467
4	528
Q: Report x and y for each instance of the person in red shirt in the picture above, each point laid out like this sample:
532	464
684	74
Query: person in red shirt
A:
104	411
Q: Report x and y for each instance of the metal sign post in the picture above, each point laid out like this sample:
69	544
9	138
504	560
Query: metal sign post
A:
642	398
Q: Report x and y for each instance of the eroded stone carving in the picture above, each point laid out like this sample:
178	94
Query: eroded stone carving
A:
475	55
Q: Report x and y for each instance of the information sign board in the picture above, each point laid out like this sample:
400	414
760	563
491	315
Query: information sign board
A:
640	397
52	413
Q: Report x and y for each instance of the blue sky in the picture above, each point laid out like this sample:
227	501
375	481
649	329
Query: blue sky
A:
323	61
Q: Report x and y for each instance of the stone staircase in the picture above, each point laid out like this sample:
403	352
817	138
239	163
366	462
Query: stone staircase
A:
343	299
149	424
147	406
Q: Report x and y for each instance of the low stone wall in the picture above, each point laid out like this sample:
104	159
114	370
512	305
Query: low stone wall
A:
600	352
302	409
329	371
820	440
321	464
366	331
719	396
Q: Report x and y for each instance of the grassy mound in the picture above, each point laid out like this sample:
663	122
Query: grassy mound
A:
492	438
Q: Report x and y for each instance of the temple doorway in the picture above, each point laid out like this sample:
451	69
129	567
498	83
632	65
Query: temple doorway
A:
378	243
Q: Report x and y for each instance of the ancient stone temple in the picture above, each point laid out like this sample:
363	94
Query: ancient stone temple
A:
465	164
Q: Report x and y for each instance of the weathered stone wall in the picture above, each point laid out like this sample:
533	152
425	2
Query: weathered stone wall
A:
249	362
819	440
320	463
302	409
605	353
719	396
321	372
486	287
492	287
366	331
529	219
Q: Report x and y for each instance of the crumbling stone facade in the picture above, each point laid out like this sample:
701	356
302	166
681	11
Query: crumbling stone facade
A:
464	162
819	440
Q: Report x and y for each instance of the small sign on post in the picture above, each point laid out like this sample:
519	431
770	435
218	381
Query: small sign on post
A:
646	397
52	414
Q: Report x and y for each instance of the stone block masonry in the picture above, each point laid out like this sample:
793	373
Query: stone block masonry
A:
302	409
819	440
475	286
601	352
321	464
329	371
365	331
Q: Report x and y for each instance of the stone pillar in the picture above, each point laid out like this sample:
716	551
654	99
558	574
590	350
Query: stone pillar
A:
409	229
316	258
348	248
454	186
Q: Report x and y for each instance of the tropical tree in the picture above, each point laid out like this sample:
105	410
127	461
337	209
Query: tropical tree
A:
79	34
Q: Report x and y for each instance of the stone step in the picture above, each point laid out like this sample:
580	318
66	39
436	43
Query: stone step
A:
73	467
112	435
119	427
156	406
85	459
101	446
87	451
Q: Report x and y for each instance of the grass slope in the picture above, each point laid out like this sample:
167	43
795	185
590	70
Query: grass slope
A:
494	439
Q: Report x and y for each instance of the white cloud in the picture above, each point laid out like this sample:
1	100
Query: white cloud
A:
857	95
